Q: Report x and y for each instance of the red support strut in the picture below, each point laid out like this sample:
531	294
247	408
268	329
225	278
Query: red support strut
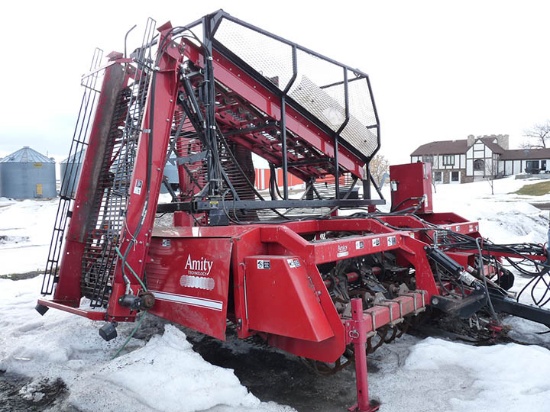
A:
358	336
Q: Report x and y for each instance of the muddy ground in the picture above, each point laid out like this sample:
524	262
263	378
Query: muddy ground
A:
275	376
45	395
269	374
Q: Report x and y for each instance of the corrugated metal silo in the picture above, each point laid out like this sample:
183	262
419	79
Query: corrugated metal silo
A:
70	173
27	174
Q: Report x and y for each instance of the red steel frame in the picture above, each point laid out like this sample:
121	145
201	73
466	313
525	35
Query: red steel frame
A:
234	78
319	332
142	203
153	142
68	292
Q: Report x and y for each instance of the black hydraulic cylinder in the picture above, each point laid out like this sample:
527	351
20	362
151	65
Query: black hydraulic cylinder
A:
454	268
445	261
467	305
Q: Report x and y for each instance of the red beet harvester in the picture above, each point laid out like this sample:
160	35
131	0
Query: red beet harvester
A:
315	270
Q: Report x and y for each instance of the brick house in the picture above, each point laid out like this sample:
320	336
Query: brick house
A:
478	158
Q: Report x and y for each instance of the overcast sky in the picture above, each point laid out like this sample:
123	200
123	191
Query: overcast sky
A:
440	70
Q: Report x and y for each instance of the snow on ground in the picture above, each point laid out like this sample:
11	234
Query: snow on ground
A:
165	374
25	234
504	217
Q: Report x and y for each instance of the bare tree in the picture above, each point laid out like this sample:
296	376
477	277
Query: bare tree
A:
537	136
378	166
491	172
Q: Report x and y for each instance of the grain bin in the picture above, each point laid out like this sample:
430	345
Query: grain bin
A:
27	174
70	173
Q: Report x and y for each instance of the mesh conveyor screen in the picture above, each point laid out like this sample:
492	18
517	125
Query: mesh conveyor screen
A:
319	85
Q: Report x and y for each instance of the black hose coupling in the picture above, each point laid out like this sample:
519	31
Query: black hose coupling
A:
143	301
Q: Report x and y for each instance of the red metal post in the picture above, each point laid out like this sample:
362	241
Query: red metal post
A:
358	336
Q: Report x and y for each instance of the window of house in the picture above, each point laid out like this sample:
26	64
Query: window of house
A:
428	158
449	160
532	166
438	177
455	177
479	165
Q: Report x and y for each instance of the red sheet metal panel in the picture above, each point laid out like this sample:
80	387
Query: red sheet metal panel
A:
411	182
281	299
190	280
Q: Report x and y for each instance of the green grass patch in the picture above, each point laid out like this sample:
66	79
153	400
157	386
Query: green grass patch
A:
537	189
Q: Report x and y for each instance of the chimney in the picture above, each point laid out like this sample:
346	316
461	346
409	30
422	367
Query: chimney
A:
470	140
504	141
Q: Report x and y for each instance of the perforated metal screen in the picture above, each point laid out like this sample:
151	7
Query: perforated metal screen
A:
314	82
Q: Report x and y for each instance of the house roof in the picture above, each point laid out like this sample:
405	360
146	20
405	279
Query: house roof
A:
442	147
526	154
490	143
447	147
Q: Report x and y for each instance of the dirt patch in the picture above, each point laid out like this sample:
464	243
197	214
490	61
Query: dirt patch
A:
5	239
22	276
272	375
24	394
268	373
